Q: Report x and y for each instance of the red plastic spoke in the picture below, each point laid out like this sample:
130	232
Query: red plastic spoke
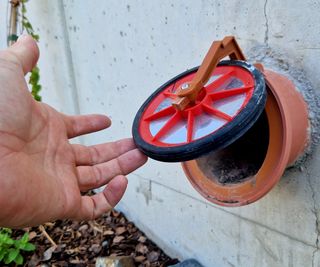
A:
218	81
213	111
168	126
170	95
190	126
229	92
160	114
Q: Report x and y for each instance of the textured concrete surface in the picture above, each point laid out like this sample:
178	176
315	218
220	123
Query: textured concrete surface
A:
188	263
109	56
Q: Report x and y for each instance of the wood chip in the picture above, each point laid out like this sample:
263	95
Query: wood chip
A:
108	232
83	228
153	256
141	248
139	258
118	239
120	230
142	239
32	235
96	248
96	227
115	213
48	253
80	243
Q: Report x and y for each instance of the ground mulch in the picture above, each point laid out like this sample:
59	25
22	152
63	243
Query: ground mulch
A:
70	243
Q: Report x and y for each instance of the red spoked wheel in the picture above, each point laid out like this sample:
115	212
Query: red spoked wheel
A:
226	107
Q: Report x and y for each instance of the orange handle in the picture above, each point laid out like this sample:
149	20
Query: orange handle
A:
219	49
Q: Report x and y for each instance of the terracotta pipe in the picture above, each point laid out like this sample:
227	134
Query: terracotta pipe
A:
287	117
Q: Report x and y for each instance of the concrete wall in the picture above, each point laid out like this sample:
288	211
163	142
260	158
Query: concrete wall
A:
109	56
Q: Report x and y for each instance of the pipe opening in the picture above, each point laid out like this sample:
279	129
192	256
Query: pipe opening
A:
242	159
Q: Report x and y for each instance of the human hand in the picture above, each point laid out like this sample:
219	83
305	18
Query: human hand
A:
42	175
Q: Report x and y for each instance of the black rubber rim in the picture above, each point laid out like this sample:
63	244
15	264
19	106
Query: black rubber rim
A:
217	140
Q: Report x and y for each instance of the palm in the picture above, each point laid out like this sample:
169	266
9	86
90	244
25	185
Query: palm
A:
41	172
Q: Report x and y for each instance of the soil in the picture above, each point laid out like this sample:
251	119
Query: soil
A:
80	243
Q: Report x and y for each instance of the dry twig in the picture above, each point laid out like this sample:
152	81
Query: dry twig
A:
44	232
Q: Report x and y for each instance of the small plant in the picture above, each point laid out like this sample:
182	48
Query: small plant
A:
26	24
35	73
34	82
20	9
10	249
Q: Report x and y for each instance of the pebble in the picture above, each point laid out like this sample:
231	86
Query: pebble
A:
105	244
121	261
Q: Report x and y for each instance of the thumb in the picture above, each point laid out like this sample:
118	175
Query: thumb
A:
26	51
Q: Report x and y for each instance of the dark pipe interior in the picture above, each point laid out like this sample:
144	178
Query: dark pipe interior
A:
240	160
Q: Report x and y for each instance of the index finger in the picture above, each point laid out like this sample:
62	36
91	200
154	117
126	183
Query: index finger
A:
83	124
91	155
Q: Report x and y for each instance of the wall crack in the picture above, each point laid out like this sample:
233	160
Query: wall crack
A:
266	33
317	220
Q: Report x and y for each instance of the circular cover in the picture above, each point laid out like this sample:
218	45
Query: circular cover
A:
227	106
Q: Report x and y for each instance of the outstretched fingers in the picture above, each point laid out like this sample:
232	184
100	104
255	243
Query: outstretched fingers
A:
90	177
91	155
94	206
83	124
